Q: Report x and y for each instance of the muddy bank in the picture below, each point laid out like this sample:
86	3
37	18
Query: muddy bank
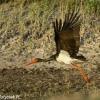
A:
40	84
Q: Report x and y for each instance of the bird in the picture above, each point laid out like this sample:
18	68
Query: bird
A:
67	40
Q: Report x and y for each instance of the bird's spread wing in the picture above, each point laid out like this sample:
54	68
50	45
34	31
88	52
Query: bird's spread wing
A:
67	35
57	28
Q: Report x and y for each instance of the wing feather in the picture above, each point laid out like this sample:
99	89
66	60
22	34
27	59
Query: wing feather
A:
67	33
60	25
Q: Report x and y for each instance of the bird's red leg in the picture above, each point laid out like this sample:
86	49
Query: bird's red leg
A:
78	66
33	61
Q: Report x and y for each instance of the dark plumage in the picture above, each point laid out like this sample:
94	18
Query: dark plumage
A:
67	36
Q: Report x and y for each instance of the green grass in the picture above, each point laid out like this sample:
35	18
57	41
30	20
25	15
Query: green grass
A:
90	5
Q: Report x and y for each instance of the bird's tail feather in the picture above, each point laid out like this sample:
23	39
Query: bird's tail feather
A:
80	57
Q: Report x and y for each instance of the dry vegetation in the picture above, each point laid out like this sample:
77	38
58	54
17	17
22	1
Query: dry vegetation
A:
22	23
26	30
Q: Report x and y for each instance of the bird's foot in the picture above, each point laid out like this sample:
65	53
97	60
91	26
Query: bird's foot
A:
82	72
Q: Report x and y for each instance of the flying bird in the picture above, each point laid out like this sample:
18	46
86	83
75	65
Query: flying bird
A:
67	40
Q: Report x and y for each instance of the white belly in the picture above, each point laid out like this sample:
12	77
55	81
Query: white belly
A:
64	57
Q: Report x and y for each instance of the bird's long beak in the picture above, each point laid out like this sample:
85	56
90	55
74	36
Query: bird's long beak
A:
33	61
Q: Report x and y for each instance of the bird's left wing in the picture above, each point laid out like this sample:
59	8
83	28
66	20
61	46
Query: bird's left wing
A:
57	28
